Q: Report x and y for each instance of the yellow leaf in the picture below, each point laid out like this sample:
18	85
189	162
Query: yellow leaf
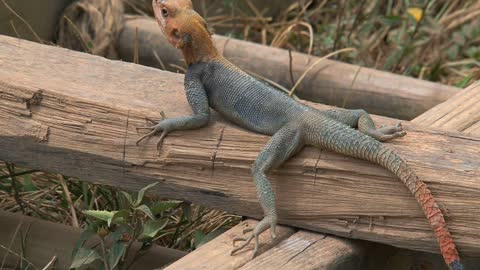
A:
416	13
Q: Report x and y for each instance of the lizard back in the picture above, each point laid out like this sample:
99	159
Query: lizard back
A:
244	100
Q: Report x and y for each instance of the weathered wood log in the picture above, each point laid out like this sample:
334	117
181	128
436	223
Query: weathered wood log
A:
45	240
76	114
459	113
294	251
216	253
331	82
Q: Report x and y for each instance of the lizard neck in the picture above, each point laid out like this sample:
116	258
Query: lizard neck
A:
201	48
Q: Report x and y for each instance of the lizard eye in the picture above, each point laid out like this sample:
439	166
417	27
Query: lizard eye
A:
164	12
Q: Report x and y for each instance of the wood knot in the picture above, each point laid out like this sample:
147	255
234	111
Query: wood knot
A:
35	99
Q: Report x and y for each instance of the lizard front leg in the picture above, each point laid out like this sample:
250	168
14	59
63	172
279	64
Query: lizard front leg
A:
283	144
362	120
198	100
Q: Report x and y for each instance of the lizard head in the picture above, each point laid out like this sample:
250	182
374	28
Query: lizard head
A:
185	29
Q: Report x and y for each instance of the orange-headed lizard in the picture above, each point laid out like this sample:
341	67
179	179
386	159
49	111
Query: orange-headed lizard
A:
211	81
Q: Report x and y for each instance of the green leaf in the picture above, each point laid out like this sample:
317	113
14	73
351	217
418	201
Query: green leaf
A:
152	227
119	232
84	256
473	52
453	52
202	239
464	82
392	20
393	58
435	72
198	236
146	210
115	254
119	217
127	196
28	185
107	216
163	206
100	214
141	193
86	234
458	38
327	42
187	211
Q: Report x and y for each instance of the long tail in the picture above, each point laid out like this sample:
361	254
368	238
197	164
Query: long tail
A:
389	159
334	136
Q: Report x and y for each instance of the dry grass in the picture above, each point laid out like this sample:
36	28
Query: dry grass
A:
436	40
442	45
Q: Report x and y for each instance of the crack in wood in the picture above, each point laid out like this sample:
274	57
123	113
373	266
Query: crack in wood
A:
303	250
34	100
125	144
214	154
316	167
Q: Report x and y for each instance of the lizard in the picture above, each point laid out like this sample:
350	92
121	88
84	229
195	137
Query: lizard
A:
211	81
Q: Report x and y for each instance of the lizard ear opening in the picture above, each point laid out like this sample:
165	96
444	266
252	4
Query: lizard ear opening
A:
187	39
180	40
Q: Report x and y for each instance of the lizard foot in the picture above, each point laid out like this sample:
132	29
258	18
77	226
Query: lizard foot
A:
390	129
154	130
386	133
260	228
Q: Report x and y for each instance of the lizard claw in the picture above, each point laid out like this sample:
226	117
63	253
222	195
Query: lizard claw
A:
154	130
246	242
261	227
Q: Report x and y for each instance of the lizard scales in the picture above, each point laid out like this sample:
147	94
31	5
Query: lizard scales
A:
212	81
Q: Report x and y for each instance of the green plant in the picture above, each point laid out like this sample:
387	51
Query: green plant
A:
137	220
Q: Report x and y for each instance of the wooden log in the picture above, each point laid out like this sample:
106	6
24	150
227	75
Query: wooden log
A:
203	258
310	251
43	240
301	250
216	253
76	114
459	113
331	82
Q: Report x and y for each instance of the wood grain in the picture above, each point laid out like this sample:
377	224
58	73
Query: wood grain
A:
76	114
216	253
459	113
309	251
331	82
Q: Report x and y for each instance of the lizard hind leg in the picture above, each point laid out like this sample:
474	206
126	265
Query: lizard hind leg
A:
283	144
384	133
362	120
